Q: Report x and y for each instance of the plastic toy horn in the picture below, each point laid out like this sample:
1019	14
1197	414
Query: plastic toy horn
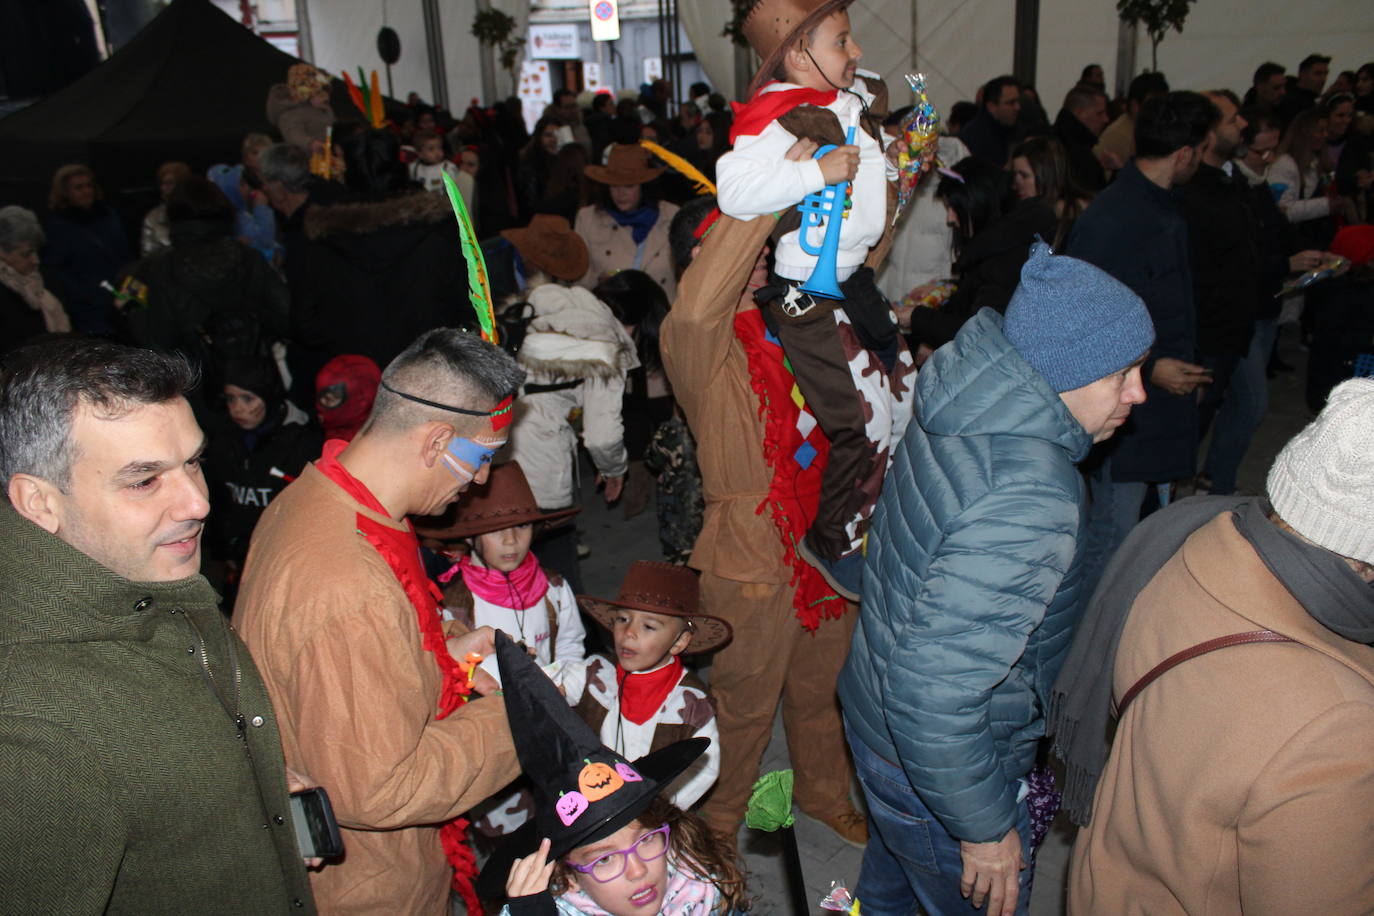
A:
827	203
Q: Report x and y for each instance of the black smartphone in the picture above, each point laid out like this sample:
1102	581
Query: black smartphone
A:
317	833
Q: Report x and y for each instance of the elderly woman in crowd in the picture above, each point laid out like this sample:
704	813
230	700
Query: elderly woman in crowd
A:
627	227
27	309
157	231
86	247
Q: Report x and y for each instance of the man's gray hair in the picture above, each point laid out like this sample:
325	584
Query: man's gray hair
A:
448	366
43	384
17	226
287	164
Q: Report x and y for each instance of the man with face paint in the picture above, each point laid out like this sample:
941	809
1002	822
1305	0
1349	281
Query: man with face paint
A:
346	628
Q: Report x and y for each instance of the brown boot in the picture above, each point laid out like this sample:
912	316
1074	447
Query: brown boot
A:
638	482
849	825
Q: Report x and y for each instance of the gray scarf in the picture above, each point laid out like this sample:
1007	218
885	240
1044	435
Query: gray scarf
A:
1080	702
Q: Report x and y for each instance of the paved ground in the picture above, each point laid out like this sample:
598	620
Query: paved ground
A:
617	543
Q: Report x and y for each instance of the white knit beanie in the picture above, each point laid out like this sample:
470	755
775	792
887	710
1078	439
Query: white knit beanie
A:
1322	483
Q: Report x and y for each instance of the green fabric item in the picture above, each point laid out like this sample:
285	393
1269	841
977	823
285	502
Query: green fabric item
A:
124	784
770	805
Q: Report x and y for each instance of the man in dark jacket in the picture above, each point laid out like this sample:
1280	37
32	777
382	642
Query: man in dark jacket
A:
140	766
989	135
1079	124
972	585
1135	231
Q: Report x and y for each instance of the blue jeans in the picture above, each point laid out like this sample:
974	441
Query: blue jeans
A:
910	859
1114	511
1246	402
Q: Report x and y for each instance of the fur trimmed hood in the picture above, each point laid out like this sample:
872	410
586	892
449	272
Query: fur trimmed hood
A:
352	218
574	335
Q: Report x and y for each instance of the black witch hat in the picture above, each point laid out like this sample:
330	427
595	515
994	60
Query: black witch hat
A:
583	791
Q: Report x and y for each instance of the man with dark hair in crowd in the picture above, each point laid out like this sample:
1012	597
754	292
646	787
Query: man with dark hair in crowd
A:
367	676
1135	231
1116	145
989	135
960	114
1079	124
1306	88
1093	77
1268	86
142	768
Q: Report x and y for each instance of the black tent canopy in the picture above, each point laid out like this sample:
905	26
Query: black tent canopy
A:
188	87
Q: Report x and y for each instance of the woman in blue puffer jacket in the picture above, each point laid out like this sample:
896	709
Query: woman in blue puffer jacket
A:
971	587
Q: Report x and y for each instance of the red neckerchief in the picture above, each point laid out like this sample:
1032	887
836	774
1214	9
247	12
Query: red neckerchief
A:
642	693
766	107
401	551
794	493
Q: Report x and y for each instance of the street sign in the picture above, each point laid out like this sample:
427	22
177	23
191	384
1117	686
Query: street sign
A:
605	17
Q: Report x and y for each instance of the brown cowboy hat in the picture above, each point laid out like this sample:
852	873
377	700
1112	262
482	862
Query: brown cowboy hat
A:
504	501
550	244
773	25
662	588
627	164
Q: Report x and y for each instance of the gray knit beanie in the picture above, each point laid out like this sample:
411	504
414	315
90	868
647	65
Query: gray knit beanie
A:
1322	483
1073	322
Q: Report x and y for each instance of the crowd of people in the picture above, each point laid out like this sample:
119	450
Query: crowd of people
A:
925	493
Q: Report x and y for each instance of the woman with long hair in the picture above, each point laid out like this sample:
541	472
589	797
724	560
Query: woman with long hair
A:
990	245
536	162
1040	169
1299	178
1347	156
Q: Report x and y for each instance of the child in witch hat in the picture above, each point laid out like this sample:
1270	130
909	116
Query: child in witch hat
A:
850	364
603	839
646	700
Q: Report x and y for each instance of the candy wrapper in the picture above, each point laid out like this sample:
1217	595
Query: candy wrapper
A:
918	142
1332	268
928	295
840	900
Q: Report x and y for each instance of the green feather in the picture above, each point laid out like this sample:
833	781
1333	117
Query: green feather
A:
479	290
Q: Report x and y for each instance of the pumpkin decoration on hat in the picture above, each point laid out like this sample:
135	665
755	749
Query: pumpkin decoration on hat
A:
550	244
504	501
771	27
662	588
583	791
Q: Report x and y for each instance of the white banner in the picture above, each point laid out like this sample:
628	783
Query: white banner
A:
605	16
536	91
553	42
653	68
591	78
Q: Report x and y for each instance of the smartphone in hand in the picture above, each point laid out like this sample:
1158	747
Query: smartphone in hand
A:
317	833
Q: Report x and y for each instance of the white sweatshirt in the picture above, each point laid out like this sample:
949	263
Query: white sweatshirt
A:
754	178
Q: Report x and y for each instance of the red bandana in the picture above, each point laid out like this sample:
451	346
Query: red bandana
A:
797	461
766	107
642	693
401	550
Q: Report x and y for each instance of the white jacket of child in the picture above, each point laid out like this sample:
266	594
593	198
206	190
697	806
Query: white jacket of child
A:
684	706
431	178
755	178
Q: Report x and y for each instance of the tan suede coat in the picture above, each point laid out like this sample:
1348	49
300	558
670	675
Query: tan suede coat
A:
1241	781
611	247
339	647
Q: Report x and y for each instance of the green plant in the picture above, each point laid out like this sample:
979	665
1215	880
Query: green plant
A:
493	27
1158	17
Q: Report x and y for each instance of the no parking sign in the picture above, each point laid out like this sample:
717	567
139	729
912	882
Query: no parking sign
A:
605	16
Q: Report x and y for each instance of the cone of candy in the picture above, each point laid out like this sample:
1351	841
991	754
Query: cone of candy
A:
917	144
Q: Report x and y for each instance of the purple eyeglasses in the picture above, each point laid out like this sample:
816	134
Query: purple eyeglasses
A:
611	865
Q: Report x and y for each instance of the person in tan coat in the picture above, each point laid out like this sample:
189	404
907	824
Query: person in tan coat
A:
627	227
346	628
1240	777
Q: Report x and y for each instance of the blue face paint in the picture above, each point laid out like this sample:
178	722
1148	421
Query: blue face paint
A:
468	453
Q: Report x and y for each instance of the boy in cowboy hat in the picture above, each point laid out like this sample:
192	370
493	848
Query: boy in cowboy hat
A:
646	700
850	364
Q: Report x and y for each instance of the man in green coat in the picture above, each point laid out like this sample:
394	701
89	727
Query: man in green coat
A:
140	766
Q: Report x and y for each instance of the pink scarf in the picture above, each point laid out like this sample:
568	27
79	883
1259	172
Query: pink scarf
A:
520	589
686	895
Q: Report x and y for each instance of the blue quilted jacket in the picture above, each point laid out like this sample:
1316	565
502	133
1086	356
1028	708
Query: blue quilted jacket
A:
971	586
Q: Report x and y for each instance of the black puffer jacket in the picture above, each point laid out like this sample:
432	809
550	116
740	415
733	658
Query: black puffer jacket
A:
377	273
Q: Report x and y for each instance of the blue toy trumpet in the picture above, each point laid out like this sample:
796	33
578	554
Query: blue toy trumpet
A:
815	209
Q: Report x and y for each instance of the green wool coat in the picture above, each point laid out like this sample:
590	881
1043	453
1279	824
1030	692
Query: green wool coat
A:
125	786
